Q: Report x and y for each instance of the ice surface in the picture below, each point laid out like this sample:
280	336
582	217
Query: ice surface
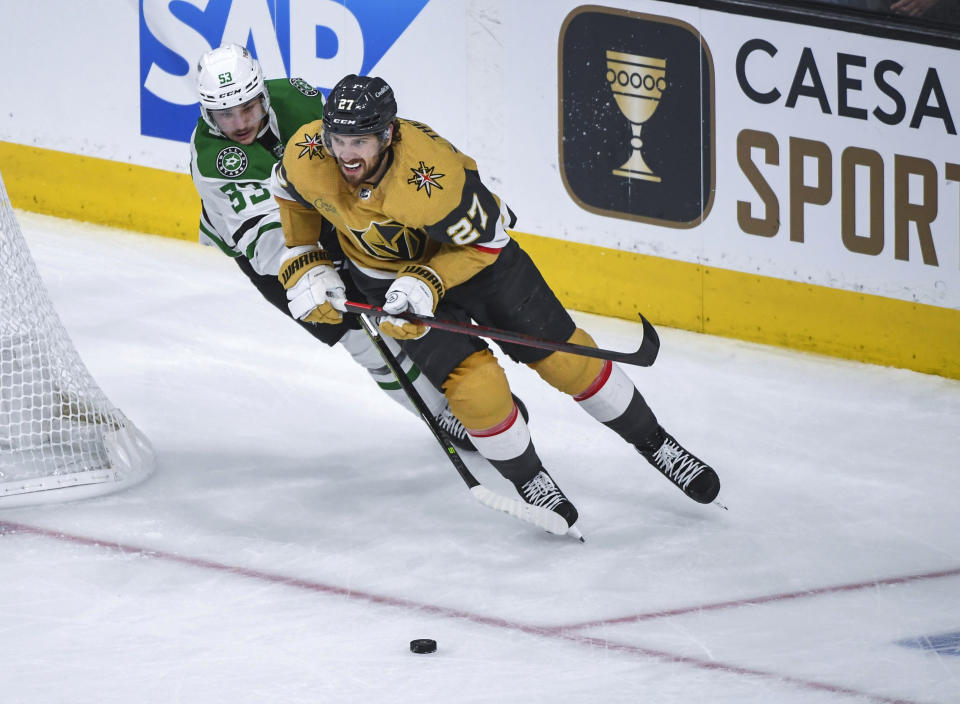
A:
301	529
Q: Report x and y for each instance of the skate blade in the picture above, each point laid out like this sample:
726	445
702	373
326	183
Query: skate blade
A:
575	532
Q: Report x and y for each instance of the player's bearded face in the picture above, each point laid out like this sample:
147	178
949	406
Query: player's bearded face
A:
241	123
358	156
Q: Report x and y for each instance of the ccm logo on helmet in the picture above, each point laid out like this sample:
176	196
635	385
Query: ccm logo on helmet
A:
341	121
229	93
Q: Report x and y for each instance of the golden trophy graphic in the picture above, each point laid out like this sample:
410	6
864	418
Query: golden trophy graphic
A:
637	83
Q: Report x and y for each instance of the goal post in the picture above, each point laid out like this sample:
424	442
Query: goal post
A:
60	436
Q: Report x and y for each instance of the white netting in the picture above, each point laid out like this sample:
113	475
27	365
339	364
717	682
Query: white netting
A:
60	437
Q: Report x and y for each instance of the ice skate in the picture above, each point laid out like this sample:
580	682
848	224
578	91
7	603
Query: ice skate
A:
542	491
691	475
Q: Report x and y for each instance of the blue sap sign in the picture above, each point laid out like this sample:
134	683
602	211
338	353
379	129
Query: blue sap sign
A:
317	40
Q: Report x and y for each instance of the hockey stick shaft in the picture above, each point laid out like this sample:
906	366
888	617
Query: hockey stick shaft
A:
548	520
643	356
418	403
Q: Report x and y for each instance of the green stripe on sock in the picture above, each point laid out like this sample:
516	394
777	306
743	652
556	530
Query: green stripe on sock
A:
412	374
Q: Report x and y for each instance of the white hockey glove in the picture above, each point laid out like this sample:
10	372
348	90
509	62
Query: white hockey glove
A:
315	291
417	289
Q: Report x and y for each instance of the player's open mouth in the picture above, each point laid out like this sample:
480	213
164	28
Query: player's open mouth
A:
352	165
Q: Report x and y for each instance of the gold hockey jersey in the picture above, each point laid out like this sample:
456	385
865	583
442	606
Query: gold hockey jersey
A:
429	208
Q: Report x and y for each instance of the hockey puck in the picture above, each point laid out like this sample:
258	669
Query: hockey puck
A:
423	645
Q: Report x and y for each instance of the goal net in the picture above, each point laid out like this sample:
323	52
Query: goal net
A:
60	437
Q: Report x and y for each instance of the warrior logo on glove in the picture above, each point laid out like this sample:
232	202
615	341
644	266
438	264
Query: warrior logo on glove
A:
315	291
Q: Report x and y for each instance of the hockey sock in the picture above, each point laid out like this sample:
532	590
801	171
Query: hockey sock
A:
366	355
508	447
614	401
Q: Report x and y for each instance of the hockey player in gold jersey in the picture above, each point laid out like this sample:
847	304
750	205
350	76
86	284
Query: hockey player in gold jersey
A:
423	234
245	122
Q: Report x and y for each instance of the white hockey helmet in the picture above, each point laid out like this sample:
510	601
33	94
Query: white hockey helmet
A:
226	77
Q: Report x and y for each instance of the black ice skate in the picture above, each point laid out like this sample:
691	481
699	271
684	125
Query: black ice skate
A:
542	491
691	475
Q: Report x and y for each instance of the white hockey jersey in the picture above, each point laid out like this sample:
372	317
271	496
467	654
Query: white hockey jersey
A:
239	214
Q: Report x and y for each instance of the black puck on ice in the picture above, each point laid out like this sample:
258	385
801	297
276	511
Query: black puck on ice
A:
423	645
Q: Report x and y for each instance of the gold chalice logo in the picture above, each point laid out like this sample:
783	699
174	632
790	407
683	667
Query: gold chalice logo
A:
637	83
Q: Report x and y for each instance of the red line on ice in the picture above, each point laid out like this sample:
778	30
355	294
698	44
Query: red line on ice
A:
554	632
766	599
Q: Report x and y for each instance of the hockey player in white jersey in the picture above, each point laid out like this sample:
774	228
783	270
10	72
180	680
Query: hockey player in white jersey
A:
244	125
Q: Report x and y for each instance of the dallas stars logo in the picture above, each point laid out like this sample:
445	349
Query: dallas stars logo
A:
311	146
304	87
425	178
231	161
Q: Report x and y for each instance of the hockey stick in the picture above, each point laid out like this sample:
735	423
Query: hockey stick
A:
644	356
540	517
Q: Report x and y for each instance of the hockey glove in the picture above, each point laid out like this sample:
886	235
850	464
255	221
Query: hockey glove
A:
417	289
315	291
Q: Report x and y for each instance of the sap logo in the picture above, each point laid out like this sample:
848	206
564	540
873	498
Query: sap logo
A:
319	41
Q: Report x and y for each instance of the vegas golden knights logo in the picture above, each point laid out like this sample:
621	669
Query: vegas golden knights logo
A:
636	116
311	146
391	240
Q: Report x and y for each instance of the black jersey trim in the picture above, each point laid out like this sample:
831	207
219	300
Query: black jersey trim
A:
247	225
291	189
207	228
485	224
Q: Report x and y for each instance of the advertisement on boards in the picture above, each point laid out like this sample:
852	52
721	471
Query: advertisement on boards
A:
319	41
741	142
801	152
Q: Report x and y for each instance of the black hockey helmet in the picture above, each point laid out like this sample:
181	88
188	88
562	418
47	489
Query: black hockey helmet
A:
359	105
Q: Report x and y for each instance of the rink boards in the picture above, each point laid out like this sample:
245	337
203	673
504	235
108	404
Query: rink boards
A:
789	193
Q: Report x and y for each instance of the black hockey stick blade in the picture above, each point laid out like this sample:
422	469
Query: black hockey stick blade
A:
643	356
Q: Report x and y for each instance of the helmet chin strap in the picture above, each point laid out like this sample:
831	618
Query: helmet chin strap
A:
267	126
269	121
269	137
